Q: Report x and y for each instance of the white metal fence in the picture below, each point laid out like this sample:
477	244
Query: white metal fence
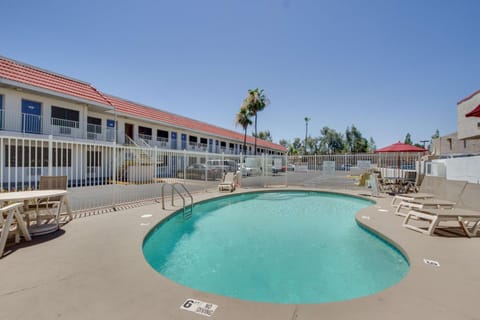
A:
105	174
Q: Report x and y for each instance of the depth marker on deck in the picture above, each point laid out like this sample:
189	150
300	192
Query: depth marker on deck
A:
383	210
199	307
146	216
431	262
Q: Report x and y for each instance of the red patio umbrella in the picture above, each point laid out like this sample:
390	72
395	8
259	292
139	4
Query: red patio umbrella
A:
401	147
398	148
474	113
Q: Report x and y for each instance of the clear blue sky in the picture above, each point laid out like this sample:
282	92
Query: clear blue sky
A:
387	66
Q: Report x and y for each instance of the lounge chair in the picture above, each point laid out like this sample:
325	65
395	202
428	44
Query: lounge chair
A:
428	203
466	212
445	195
228	182
435	216
425	185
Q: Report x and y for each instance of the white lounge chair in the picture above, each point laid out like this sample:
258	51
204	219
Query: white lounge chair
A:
427	203
426	189
466	212
228	182
444	195
468	220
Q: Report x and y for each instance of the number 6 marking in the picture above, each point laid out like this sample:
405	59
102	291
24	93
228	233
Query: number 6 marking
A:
188	303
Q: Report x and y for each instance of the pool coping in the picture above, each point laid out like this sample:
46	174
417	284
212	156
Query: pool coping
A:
94	269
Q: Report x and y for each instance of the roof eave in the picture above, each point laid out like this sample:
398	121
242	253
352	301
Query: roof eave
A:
16	84
468	97
128	115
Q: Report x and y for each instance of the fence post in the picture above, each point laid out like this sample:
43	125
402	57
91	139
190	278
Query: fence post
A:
50	155
206	168
114	174
184	166
286	169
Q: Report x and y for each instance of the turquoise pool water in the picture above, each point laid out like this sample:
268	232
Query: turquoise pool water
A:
279	247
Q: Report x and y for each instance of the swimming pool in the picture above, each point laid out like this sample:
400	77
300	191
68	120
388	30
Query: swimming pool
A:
279	247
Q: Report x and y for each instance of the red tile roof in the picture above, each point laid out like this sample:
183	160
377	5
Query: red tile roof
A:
36	77
19	72
135	109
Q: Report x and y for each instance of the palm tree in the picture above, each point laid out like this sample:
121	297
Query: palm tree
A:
243	119
306	132
255	102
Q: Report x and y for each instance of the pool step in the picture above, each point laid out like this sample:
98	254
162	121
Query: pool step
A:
187	212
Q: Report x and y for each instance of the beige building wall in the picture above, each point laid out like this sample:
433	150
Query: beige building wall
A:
450	144
468	127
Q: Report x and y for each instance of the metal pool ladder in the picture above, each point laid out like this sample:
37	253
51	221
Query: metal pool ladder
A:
187	211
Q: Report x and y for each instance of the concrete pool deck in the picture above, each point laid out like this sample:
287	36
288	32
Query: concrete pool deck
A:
94	269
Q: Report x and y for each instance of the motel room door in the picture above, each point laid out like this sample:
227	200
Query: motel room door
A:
128	131
31	116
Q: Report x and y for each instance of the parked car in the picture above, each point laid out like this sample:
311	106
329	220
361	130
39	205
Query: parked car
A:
342	167
223	165
249	171
198	171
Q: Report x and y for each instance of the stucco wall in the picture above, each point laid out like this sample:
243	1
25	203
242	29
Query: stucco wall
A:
467	169
468	127
450	144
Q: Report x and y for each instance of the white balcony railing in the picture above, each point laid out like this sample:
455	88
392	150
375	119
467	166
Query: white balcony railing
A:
145	136
161	143
37	124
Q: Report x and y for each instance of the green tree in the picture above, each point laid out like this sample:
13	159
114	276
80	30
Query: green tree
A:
243	119
408	139
283	142
436	135
331	141
264	135
306	132
255	102
354	142
296	146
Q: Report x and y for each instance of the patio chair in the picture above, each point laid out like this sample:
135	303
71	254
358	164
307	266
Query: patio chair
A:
379	184
8	225
424	189
466	212
228	182
47	209
410	181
